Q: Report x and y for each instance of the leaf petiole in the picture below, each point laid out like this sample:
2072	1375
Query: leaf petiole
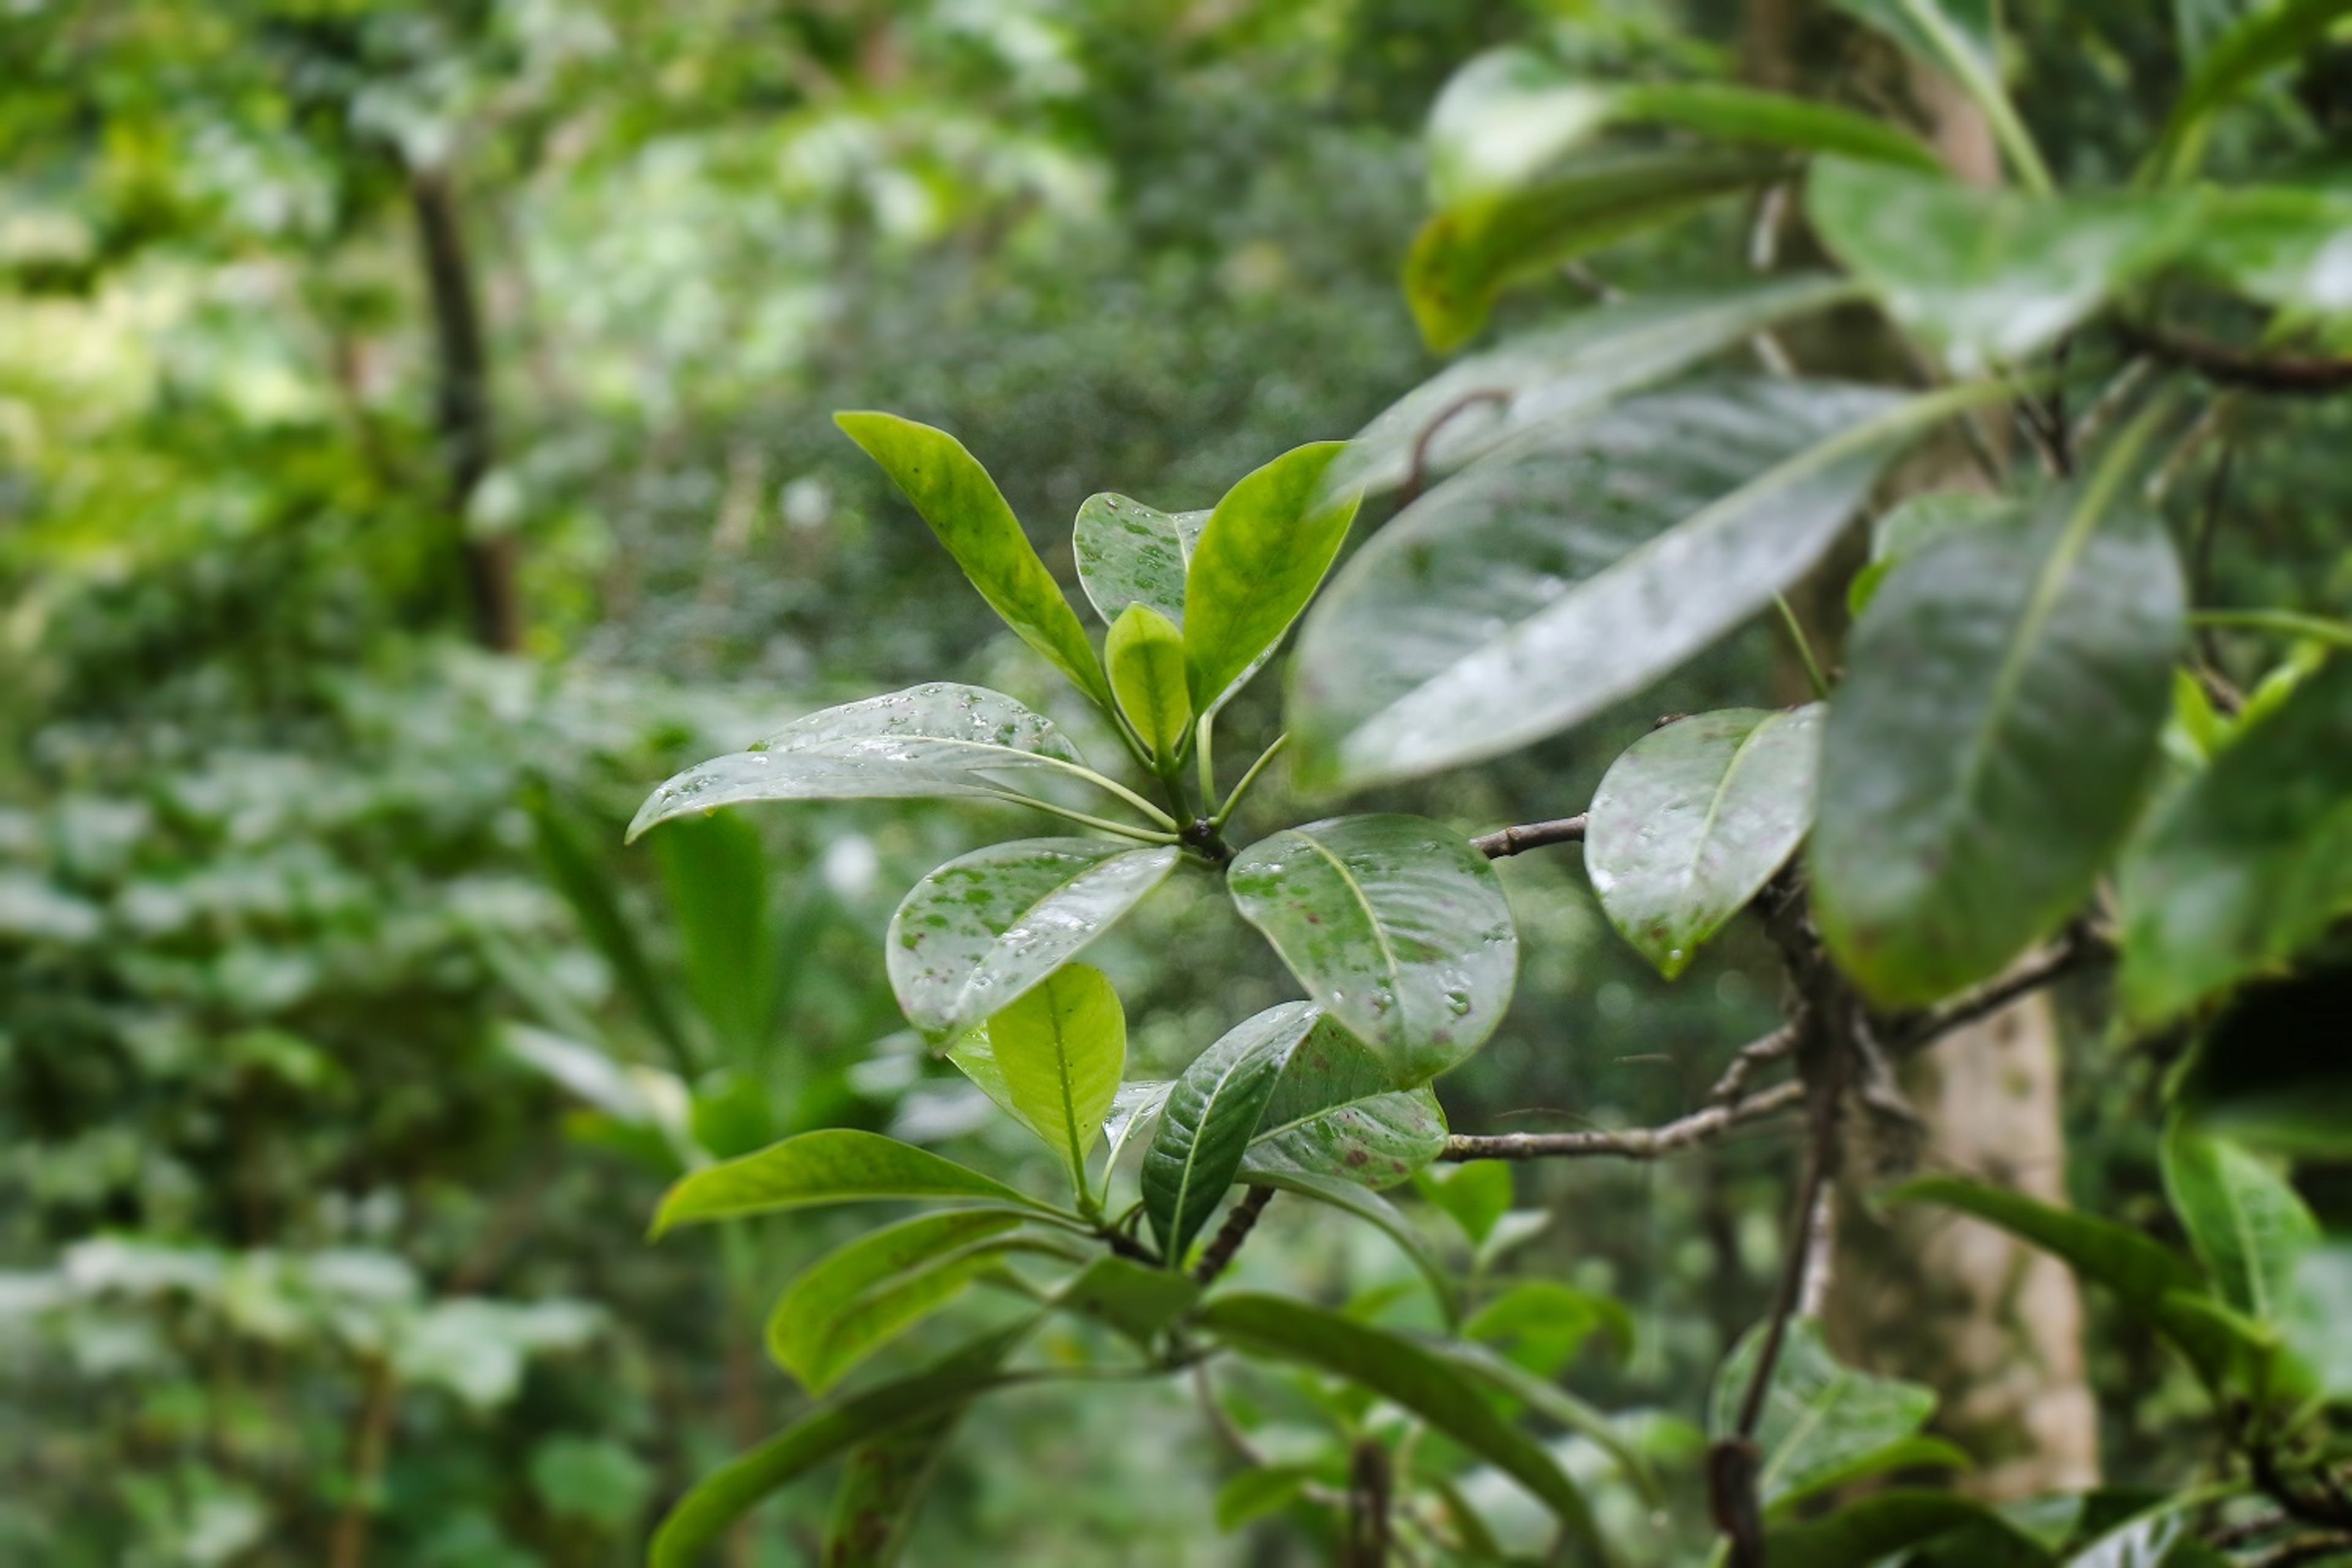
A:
1123	830
1249	778
1805	645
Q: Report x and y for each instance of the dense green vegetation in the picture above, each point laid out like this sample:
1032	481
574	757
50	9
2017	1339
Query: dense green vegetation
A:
420	440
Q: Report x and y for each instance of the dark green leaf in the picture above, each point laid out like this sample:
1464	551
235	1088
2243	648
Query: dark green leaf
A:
883	1481
587	884
1260	557
1335	1112
982	929
1395	924
833	1165
964	507
861	1295
1207	1122
1145	655
1059	1049
1993	739
2246	1223
716	876
1129	554
2252	862
1137	1301
1473	249
1867	1533
1911	527
1820	1418
1694	818
1404	1372
1528	593
2271	1071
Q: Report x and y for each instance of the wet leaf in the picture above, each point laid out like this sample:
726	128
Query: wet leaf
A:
1129	554
1334	1112
1059	1050
1207	1122
1145	654
1260	558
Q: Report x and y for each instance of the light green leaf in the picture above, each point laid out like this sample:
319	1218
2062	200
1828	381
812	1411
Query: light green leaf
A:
833	1165
861	1295
2265	39
931	741
1207	1122
883	1481
2252	862
1911	527
1694	818
1534	381
1129	554
1395	924
1261	555
1140	1303
1870	1530
1470	251
1061	1046
2283	246
721	1498
2246	1223
1542	1324
1375	1210
1252	1494
965	510
982	929
1335	1112
1404	1372
1474	1194
1987	276
1145	655
1819	1417
1530	591
1994	739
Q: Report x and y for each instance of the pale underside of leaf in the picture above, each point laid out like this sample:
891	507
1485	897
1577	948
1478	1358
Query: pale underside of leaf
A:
1129	554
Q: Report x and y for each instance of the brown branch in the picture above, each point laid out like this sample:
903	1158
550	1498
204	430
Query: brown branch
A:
1750	1060
1239	1222
1632	1143
1416	473
1530	836
2078	948
2229	366
1370	1486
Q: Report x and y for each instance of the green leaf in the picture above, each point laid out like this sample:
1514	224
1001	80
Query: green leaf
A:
1375	1210
927	741
1962	37
883	1481
1394	923
2283	246
1407	1374
1254	1493
1994	739
1987	276
1537	380
1145	654
1528	593
1475	1194
2317	1323
1471	250
1129	554
1133	1108
1207	1122
964	509
1137	1301
716	875
721	1498
1260	557
1541	1323
1335	1112
982	929
832	1165
2146	1541
1061	1046
1820	1417
1724	112
1911	527
2252	862
1553	1403
2265	39
1871	1530
1694	818
2245	1222
861	1295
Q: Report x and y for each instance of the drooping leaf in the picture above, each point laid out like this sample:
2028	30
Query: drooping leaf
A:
2245	1222
1530	591
883	1481
1539	379
1987	276
2248	864
1395	924
1350	1197
1820	1416
832	1165
1471	250
964	509
982	929
2282	244
1206	1124
1335	1111
1870	1530
1129	554
1137	1301
2258	43
1993	739
1060	1047
725	1495
1913	525
1260	558
927	741
861	1295
1145	655
1404	1372
1694	818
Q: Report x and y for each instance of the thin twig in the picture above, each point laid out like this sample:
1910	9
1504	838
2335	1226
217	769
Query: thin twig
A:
1239	1220
1416	473
1530	836
1750	1060
2229	366
2078	948
1632	1143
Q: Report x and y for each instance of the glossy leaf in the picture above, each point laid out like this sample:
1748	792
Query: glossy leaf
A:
2246	1223
2252	862
1694	818
1535	380
1471	250
1528	593
1260	558
982	929
1335	1112
883	1481
1395	924
930	741
1987	276
833	1165
1353	1198
1401	1371
1139	1302
1061	1046
1206	1124
1145	656
1129	554
860	1296
1820	1417
1135	1107
1992	740
964	509
1871	1530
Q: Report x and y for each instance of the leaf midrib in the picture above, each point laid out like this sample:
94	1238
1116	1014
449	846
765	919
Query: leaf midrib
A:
1689	878
996	941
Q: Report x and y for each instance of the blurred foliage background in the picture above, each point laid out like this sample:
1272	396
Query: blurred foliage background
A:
414	444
